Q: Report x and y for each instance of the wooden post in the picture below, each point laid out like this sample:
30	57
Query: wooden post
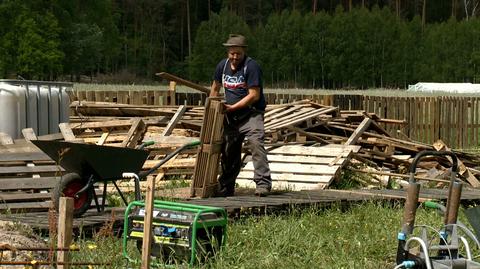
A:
147	223
171	93
65	225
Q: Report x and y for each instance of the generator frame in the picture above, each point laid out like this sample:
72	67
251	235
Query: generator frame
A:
196	224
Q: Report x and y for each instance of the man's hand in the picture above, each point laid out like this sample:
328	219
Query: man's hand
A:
229	108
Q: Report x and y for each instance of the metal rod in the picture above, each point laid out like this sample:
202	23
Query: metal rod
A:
37	249
410	210
453	203
34	262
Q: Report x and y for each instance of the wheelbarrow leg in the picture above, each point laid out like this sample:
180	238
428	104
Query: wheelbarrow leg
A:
87	187
95	198
104	195
90	188
120	193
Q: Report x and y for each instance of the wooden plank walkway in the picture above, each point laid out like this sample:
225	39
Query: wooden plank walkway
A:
249	204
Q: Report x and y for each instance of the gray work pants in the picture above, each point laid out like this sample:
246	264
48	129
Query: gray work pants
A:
234	134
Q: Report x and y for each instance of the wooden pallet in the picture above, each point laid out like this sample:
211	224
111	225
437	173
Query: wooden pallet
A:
27	176
300	167
90	221
206	166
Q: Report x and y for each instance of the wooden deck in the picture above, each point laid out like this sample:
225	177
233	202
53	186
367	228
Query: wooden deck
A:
246	204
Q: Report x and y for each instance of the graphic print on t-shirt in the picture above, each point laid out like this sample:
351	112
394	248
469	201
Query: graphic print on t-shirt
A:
233	82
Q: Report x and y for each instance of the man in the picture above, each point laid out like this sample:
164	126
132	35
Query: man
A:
245	104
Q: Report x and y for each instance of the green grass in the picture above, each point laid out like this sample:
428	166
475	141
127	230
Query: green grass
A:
360	236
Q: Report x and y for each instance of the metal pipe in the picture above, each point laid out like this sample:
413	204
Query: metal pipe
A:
467	247
424	248
413	167
144	174
410	210
3	248
34	262
137	186
453	203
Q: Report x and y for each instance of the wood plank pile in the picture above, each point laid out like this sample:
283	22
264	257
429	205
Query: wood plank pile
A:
26	176
309	144
380	150
303	122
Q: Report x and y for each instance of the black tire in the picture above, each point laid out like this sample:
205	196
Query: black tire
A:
67	187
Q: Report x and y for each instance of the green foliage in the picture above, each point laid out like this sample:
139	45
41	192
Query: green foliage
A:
29	46
362	48
208	49
348	180
359	46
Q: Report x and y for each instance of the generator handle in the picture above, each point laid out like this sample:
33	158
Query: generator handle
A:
422	154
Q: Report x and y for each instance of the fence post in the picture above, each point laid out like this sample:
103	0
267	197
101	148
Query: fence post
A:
65	230
171	93
147	223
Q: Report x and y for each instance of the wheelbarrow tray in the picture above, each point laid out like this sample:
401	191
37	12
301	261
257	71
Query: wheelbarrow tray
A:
103	162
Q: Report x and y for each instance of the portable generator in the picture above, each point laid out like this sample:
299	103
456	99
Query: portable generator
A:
181	233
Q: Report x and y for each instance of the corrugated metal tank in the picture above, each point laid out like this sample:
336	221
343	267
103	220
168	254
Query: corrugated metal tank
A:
45	105
12	110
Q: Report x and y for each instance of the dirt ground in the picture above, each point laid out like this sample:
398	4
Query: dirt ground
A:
14	235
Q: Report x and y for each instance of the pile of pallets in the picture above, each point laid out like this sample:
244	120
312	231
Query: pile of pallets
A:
306	122
308	145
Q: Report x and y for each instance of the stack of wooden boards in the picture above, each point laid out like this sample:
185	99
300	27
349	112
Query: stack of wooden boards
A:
308	146
306	122
26	176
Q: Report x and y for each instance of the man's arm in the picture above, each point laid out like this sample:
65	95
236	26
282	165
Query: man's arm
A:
215	89
252	97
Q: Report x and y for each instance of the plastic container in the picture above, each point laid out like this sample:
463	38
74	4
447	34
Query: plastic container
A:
12	110
45	105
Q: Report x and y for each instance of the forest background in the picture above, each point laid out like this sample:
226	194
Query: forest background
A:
299	43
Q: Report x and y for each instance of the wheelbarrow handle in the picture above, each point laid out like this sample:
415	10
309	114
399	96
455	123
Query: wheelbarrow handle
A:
146	144
193	144
168	157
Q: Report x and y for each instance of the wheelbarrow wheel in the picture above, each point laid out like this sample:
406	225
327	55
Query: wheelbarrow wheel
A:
68	186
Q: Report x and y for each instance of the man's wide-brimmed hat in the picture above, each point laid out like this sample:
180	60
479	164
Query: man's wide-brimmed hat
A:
235	40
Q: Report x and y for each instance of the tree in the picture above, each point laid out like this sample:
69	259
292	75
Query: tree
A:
37	54
207	50
470	8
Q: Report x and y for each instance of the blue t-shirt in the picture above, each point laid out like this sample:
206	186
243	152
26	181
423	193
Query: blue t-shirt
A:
236	84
